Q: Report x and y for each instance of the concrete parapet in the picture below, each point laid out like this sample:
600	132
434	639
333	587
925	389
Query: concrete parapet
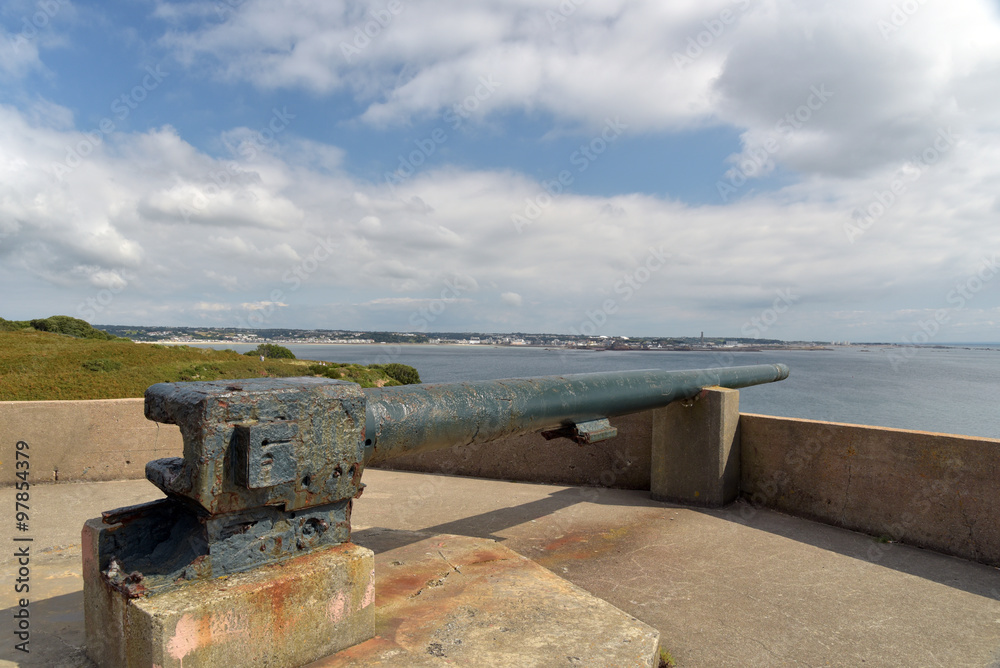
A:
621	462
696	450
284	614
930	490
899	484
85	441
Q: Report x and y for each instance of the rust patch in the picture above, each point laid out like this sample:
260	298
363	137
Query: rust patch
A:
483	556
582	546
402	586
128	584
569	539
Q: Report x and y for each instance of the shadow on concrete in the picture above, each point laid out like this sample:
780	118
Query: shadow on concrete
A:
955	572
57	636
485	525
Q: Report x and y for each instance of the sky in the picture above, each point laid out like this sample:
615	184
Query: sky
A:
743	168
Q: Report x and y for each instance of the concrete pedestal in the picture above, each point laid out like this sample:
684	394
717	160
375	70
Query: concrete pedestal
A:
446	600
696	450
284	614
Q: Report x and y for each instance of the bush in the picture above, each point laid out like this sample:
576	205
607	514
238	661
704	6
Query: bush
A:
405	374
64	324
272	351
13	325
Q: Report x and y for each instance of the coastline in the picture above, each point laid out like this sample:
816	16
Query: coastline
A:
691	349
282	342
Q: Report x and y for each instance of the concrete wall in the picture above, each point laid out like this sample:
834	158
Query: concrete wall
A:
107	439
621	462
932	490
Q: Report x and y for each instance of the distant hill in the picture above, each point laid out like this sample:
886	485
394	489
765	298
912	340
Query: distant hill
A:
38	364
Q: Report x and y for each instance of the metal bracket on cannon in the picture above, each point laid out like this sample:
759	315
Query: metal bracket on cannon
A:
584	433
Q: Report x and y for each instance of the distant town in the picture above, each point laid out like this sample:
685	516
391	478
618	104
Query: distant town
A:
232	335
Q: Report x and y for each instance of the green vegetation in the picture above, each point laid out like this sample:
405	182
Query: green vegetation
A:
271	351
57	324
102	365
13	325
39	365
374	375
64	324
666	659
405	374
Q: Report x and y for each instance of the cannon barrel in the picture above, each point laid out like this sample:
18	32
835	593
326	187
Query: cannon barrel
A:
418	418
270	472
271	466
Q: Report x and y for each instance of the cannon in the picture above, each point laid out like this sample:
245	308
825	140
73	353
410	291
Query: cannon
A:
271	466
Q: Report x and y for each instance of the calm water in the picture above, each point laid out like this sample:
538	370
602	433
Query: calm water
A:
952	390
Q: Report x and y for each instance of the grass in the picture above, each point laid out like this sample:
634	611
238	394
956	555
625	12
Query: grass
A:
37	366
666	659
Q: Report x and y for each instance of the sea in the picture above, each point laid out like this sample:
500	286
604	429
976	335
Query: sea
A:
953	390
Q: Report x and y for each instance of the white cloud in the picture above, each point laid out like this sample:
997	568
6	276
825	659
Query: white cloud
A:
258	306
18	55
280	230
211	306
660	66
511	299
32	26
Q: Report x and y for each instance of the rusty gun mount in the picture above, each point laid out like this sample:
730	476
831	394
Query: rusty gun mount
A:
271	465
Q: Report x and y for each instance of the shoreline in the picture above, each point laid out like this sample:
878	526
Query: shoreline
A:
734	349
486	345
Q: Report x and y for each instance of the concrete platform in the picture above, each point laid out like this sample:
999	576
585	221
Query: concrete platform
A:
444	600
730	587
